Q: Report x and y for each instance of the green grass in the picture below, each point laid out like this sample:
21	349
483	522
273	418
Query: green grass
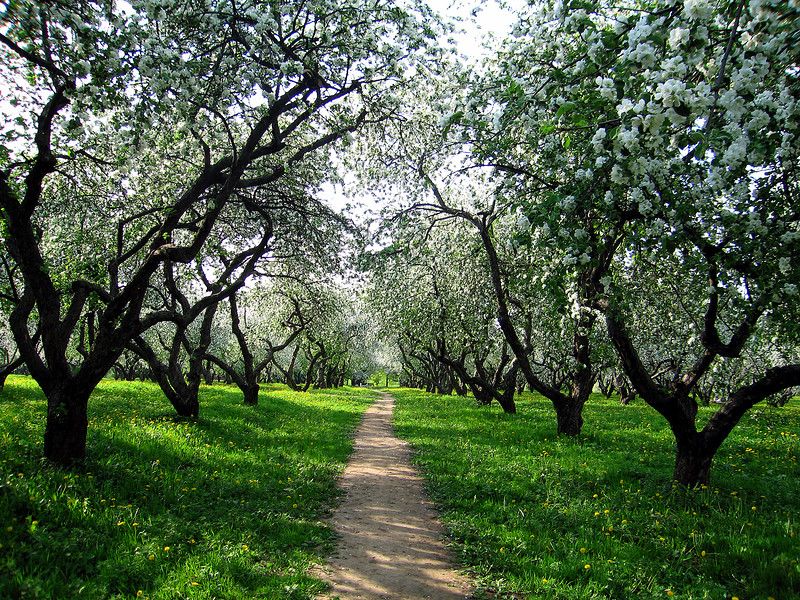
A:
225	507
599	517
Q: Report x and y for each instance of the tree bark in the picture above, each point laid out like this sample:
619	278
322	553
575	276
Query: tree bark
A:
693	460
569	416
251	394
67	423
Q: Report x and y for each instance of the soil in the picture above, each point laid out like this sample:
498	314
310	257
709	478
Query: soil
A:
390	543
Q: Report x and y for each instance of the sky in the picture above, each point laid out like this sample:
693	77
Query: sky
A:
489	20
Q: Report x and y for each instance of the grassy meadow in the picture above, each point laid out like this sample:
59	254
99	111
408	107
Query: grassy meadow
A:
224	507
599	517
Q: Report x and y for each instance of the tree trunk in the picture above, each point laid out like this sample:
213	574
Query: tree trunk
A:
208	373
569	411
67	423
692	461
569	418
626	395
507	403
251	394
186	402
482	396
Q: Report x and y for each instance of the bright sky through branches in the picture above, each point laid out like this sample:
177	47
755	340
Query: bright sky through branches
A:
480	26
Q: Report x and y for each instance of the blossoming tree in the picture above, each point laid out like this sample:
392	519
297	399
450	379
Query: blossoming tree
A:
668	131
151	119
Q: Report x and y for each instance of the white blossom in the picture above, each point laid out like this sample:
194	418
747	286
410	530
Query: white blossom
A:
678	37
522	222
597	140
697	9
625	106
617	175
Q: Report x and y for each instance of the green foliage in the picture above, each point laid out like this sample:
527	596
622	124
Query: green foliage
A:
597	517
228	506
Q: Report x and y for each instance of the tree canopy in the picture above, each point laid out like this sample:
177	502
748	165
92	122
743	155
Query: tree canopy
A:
610	194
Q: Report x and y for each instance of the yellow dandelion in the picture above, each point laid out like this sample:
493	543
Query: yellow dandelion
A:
587	566
166	548
151	557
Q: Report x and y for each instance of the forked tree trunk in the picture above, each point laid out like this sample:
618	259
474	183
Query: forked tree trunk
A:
569	415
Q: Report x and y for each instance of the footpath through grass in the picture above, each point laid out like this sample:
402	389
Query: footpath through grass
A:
599	517
225	507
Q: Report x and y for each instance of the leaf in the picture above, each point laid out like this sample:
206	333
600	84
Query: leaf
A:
547	128
579	121
696	136
564	109
567	142
682	110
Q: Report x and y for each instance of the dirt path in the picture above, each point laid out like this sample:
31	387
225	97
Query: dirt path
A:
390	546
